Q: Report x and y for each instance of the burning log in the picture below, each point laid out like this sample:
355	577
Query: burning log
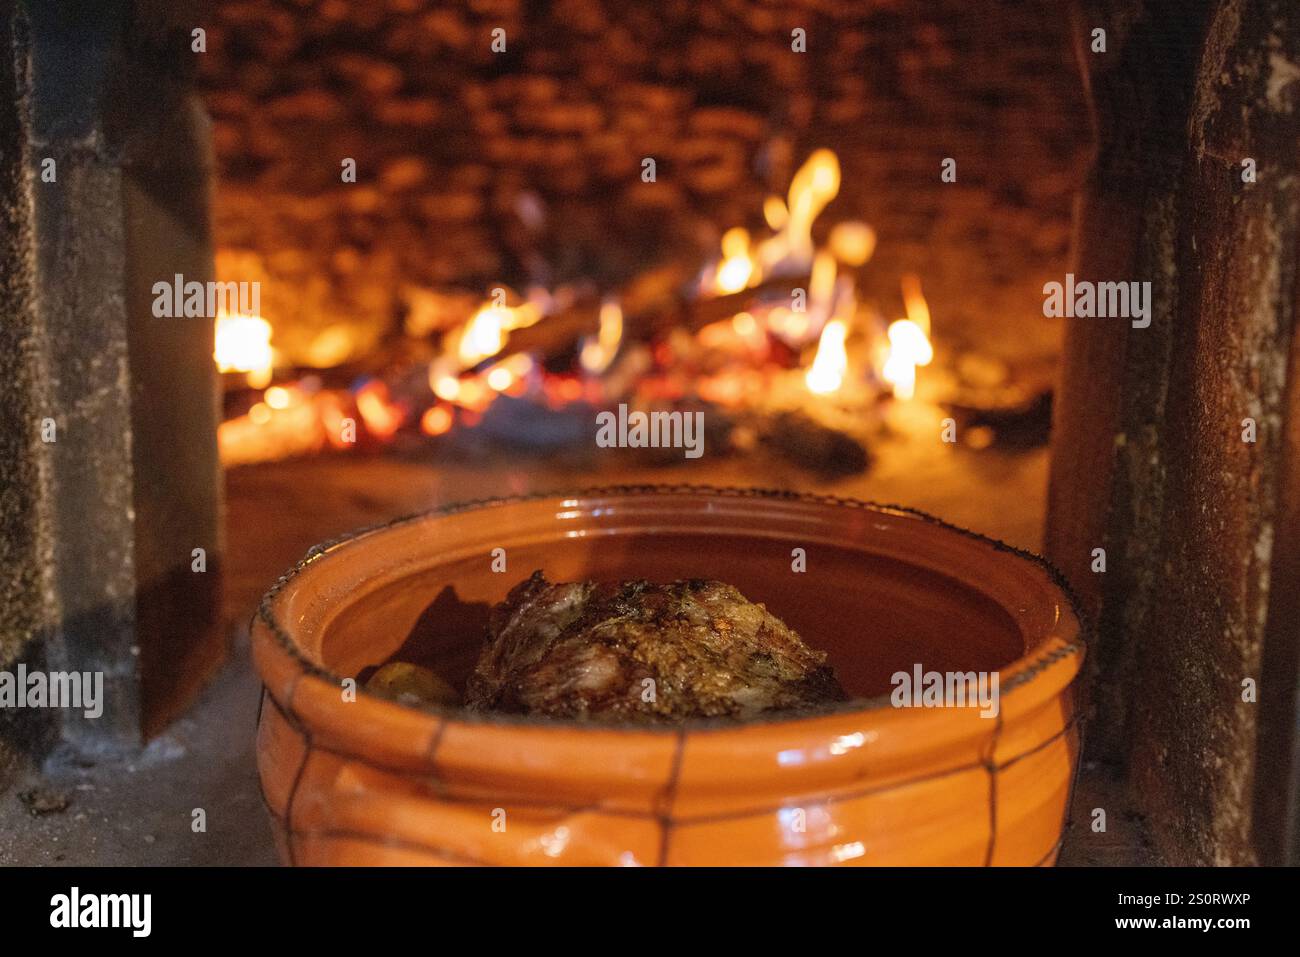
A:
557	336
560	334
694	314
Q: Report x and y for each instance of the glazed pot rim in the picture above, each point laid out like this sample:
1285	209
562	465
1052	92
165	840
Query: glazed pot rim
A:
1027	667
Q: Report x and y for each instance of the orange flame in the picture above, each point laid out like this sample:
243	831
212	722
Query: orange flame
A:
909	341
598	353
814	185
775	213
745	264
826	374
737	270
485	333
243	344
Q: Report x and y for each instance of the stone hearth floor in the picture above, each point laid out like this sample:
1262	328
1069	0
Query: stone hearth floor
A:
139	811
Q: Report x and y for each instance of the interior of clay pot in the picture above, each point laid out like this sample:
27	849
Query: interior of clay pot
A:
884	590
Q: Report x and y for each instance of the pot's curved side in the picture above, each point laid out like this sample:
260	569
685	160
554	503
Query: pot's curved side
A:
981	804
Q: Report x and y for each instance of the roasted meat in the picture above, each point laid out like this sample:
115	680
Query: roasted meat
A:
641	651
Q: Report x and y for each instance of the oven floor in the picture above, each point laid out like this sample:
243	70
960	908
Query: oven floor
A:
140	811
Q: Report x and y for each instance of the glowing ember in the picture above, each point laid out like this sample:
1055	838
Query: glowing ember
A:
561	390
826	374
475	395
447	387
277	397
243	344
909	341
332	416
436	420
382	417
500	377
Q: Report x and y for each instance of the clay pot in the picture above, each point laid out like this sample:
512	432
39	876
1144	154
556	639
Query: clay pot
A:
371	781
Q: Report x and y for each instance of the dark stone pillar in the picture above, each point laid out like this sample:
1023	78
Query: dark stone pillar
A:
105	518
1149	460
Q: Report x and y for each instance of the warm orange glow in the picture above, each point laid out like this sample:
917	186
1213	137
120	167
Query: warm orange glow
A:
447	387
485	333
740	335
332	416
821	283
792	325
484	336
729	388
909	341
748	328
852	243
382	417
775	213
564	389
502	375
717	335
826	374
598	353
814	185
277	397
331	347
475	394
436	420
243	344
263	435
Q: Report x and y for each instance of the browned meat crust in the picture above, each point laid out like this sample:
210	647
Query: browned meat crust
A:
640	651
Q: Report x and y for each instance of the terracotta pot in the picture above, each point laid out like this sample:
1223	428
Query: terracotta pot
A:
370	781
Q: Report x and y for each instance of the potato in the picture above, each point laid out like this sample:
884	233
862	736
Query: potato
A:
412	684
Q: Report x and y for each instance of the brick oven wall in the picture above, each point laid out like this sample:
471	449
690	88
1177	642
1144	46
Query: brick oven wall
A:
455	145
